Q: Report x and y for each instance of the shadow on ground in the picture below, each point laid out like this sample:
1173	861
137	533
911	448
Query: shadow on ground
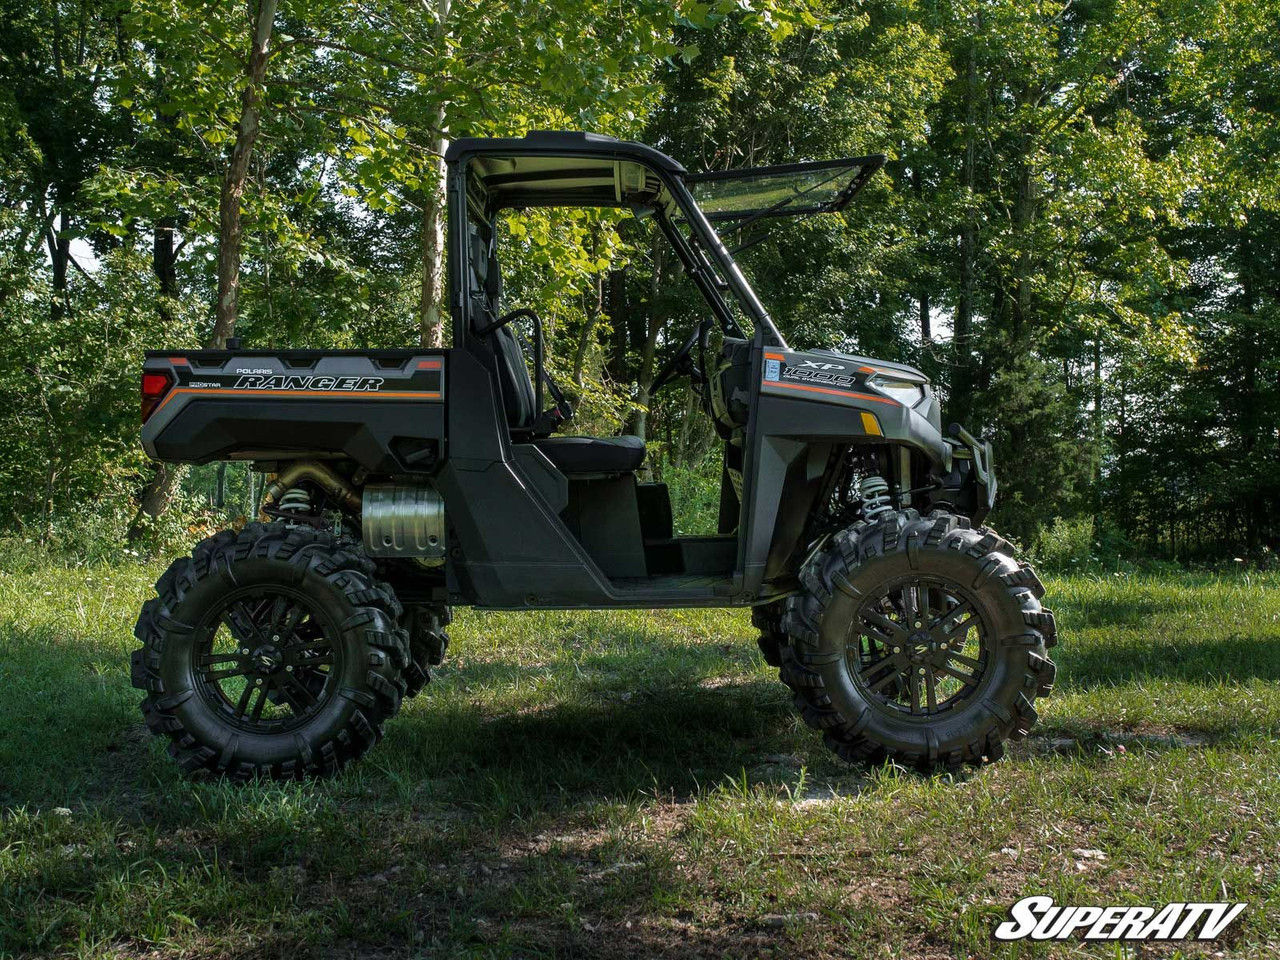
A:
1187	657
468	831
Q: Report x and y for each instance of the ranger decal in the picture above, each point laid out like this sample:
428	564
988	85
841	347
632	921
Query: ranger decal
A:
257	382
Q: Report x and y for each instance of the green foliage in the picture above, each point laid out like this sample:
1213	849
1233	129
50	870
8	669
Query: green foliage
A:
69	400
1074	236
1064	544
695	496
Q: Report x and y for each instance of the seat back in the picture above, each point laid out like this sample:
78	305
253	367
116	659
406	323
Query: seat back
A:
519	400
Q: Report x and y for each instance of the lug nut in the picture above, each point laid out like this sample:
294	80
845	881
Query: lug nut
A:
919	623
921	673
942	646
275	639
259	681
897	649
288	668
244	652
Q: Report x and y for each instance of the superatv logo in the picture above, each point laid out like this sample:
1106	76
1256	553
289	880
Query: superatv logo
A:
354	384
1040	919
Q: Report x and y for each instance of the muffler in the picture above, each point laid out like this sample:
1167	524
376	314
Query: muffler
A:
403	520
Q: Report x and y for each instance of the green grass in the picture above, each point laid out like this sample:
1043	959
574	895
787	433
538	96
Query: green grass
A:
635	784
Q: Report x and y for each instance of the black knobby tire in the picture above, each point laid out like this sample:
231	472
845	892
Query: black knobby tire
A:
428	642
768	620
344	651
941	559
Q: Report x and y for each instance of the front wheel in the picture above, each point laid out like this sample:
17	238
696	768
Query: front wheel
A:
919	640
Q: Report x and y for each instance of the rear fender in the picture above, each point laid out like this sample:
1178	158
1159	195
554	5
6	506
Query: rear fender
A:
383	409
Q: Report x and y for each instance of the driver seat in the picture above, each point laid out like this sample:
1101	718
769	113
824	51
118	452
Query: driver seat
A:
570	455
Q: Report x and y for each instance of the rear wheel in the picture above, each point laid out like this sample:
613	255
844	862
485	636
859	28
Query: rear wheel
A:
270	652
428	642
919	640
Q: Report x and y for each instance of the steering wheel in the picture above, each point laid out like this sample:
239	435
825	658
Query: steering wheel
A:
680	362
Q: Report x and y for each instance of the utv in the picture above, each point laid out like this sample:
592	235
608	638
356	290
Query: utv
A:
408	482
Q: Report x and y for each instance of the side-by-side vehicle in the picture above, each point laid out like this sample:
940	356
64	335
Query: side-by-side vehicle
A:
408	482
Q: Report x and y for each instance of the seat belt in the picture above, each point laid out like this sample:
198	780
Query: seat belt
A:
563	409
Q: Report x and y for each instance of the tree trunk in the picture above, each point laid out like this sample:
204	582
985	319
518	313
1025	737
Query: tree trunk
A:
962	386
917	189
159	491
156	498
60	255
50	477
594	310
1024	215
640	415
164	261
431	299
618	319
230	226
1097	427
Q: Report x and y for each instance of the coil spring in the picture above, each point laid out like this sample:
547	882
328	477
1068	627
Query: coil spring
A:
875	498
295	500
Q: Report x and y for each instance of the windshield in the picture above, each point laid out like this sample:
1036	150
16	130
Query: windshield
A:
713	269
788	190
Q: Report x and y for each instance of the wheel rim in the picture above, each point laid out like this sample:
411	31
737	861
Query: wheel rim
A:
266	659
919	648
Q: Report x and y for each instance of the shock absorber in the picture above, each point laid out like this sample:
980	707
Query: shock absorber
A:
875	498
294	500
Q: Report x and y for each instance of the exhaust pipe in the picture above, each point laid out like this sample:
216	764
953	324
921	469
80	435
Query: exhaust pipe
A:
323	476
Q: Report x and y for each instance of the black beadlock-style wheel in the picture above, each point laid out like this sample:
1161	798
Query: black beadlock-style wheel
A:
916	639
272	652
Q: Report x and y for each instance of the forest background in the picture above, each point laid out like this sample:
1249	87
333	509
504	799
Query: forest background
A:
1075	235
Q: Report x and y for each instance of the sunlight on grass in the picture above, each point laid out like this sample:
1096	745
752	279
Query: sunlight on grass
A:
629	783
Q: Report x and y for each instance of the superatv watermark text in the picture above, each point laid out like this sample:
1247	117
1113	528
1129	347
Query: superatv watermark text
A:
1038	918
309	383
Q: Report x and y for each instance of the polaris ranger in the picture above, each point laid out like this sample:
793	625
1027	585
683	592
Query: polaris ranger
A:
408	482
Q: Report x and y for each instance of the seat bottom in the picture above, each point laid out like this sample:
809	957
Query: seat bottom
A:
593	454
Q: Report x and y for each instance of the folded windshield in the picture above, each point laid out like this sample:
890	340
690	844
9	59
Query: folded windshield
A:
782	191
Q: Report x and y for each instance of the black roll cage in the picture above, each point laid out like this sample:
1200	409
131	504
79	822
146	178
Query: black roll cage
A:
693	256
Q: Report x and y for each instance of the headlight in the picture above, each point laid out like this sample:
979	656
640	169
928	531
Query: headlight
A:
904	391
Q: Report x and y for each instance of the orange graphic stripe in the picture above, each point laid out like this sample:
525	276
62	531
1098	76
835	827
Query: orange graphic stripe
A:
344	394
837	393
429	364
774	356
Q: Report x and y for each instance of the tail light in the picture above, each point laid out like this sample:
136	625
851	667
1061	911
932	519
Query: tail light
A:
154	388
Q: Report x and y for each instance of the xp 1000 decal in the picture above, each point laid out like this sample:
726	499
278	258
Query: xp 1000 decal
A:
799	373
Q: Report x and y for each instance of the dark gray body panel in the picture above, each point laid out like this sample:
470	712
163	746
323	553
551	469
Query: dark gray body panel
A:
510	545
383	409
501	501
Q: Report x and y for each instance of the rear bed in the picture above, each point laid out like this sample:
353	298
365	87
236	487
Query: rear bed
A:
383	409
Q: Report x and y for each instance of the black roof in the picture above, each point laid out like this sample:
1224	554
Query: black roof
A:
563	143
